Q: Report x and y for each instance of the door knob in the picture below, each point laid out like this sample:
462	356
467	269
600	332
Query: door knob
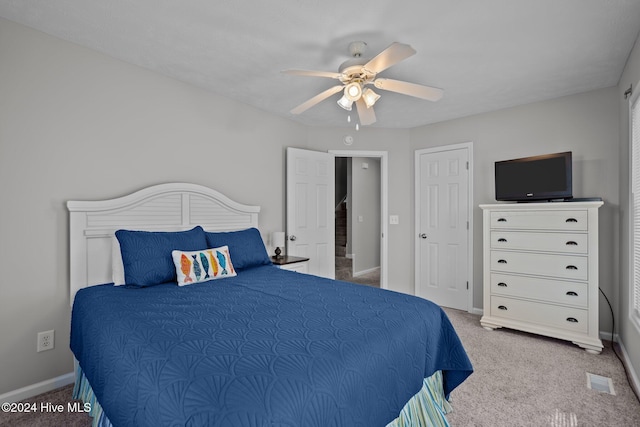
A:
423	235
292	238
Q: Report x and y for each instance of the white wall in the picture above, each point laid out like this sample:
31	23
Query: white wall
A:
366	204
79	125
629	335
586	124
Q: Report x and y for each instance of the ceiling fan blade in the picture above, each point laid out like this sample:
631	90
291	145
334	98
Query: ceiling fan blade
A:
366	114
316	99
419	91
388	57
309	73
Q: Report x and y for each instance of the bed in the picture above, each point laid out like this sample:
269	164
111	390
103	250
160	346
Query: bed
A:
202	330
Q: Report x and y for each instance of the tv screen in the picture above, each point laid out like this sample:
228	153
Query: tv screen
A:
546	177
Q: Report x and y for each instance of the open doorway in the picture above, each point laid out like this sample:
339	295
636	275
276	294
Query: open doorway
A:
361	206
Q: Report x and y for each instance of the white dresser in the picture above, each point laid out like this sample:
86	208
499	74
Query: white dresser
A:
541	270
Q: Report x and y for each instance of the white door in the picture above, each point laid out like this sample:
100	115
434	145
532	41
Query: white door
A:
310	210
443	225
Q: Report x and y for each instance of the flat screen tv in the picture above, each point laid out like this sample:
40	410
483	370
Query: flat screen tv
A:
539	178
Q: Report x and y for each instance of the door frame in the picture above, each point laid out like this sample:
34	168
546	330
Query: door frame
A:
469	147
384	203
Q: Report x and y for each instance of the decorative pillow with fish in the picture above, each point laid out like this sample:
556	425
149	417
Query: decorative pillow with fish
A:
202	266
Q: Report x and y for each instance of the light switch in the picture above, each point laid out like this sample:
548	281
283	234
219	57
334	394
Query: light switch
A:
394	219
360	218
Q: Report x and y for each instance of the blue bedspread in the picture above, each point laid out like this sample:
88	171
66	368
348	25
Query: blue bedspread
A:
266	348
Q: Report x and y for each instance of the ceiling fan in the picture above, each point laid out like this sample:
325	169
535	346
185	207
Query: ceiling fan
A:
356	73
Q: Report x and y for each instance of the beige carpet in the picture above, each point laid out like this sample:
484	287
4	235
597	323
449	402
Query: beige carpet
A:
522	379
519	380
60	396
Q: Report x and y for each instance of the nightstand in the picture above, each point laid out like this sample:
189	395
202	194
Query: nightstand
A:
293	263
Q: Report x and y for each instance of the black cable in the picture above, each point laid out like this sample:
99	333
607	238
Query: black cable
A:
613	346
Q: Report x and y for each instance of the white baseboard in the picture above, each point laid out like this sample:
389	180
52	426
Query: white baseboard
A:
38	388
477	311
363	272
607	336
633	375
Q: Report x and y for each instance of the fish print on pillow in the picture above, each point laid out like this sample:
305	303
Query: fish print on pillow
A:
202	266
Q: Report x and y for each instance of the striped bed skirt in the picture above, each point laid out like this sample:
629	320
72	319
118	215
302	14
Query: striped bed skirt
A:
427	408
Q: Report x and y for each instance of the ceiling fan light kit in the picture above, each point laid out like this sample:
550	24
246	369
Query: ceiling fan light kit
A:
370	97
345	103
357	72
353	91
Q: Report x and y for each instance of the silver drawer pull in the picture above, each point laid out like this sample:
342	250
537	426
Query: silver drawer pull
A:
503	261
572	320
502	220
571	267
502	240
502	307
572	294
502	285
571	220
571	243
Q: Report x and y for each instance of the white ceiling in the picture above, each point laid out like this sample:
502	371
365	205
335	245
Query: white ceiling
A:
485	54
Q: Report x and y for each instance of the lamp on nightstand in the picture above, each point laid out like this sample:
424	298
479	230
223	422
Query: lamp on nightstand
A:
277	240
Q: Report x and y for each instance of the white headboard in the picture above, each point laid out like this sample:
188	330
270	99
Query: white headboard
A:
164	207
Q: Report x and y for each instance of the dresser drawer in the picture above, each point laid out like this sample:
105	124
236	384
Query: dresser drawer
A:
556	291
571	220
535	241
568	318
560	266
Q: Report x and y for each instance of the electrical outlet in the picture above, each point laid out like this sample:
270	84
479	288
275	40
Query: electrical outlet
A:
45	340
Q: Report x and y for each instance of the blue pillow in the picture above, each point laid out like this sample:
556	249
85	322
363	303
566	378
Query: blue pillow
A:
146	255
246	247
